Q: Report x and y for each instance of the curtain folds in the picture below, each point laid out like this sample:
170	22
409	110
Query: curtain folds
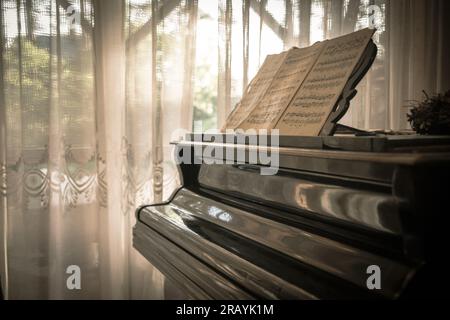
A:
91	92
418	51
225	26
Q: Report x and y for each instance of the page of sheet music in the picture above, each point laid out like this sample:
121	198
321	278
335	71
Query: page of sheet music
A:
295	67
313	102
255	90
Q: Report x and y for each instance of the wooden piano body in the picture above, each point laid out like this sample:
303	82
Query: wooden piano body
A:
336	206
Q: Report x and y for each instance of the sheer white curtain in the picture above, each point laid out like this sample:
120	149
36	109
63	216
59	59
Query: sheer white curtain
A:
70	179
418	54
47	109
92	90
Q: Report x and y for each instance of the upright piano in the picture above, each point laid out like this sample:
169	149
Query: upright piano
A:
340	211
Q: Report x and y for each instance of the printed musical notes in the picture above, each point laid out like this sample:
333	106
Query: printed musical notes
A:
295	91
288	79
314	101
255	90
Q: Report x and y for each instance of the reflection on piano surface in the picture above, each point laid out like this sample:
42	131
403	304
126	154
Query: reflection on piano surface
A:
337	206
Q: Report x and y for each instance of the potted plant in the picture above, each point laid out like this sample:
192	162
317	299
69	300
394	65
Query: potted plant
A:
432	115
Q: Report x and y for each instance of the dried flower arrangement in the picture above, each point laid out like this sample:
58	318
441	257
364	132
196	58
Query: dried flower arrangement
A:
432	115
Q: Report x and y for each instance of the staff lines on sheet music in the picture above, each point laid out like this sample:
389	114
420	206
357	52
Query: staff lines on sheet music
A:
333	67
315	97
259	95
328	85
344	52
315	54
325	78
310	104
338	48
331	62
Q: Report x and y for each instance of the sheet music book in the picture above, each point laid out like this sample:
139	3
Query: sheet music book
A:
296	90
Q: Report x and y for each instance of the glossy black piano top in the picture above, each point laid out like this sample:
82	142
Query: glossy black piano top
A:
313	230
349	142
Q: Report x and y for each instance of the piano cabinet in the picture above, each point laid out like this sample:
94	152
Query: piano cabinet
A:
337	209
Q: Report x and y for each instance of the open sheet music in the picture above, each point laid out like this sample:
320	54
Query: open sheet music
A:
296	90
256	89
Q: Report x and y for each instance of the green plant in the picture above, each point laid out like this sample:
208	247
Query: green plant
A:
432	115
